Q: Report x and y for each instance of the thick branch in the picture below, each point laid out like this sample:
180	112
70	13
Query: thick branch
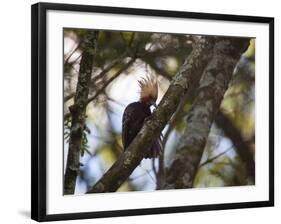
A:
213	85
78	111
130	159
242	147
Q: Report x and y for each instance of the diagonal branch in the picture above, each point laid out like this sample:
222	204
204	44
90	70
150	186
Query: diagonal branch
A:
130	159
213	85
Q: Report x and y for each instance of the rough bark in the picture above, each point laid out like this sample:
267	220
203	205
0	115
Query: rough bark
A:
178	115
130	159
243	149
77	111
212	87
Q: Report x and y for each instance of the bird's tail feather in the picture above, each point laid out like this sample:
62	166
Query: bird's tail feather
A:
155	150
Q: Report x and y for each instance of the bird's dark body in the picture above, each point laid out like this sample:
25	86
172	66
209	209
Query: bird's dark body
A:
133	119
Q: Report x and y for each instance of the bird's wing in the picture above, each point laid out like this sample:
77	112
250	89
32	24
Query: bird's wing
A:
127	125
133	119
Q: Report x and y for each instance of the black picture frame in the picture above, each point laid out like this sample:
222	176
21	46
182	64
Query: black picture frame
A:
39	122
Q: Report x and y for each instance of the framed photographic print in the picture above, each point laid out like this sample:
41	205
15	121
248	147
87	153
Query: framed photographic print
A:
139	111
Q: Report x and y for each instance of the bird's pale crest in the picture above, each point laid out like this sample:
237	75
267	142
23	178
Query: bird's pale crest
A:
148	88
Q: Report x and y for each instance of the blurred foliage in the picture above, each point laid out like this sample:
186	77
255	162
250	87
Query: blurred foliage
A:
84	140
160	55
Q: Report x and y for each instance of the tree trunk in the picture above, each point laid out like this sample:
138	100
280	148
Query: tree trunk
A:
212	87
191	71
78	109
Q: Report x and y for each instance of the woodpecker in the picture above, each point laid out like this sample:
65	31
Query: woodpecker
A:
136	114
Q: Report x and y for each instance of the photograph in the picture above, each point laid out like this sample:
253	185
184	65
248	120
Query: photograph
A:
153	111
140	112
147	111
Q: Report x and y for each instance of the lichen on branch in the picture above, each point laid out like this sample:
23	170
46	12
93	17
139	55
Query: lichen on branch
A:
213	84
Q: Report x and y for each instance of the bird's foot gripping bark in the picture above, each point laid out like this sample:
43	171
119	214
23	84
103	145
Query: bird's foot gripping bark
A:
147	118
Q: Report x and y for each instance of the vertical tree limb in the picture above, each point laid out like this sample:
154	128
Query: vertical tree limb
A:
213	85
78	109
178	115
130	159
242	147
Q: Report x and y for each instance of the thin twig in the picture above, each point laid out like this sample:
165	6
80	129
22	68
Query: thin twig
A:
153	166
141	175
148	173
116	102
156	68
69	56
215	157
101	74
120	71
